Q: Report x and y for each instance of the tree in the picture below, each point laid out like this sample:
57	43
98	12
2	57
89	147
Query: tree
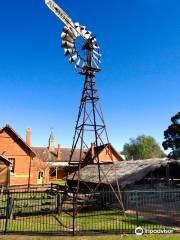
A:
172	137
142	147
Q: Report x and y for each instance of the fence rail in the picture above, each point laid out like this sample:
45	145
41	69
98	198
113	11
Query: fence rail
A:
49	209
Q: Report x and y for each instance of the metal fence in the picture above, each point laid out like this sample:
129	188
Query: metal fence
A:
50	210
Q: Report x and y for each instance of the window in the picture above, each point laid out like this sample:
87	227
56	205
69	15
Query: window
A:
12	166
52	172
40	175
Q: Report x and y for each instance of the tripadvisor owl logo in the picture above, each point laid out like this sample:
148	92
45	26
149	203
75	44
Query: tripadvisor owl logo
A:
139	231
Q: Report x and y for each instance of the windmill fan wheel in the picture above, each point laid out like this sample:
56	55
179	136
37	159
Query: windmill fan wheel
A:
76	46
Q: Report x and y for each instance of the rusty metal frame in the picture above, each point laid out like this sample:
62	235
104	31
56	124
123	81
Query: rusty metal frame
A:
90	95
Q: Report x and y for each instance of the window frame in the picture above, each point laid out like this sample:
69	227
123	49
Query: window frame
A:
12	166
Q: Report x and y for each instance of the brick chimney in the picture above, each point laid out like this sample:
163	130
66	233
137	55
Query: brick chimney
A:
92	150
59	152
28	136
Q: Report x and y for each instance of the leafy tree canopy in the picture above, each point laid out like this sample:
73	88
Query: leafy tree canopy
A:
172	137
142	147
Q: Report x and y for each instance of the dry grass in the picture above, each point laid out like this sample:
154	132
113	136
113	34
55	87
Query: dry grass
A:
101	237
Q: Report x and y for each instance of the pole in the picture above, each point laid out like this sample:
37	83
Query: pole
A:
29	177
74	211
7	212
137	215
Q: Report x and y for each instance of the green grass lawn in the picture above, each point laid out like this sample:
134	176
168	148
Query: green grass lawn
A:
107	222
59	181
32	214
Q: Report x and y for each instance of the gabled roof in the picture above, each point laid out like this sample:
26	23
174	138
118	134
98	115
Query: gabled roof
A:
16	136
99	149
7	161
48	156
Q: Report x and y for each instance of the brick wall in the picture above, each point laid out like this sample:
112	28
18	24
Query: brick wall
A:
105	157
10	147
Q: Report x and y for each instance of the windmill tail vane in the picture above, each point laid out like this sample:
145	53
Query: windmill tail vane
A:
75	39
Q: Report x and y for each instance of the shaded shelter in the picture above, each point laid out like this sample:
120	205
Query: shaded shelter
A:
129	173
4	171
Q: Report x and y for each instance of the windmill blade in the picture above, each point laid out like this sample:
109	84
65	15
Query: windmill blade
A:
70	32
78	28
84	64
87	35
78	63
67	37
94	40
96	65
83	31
83	27
97	52
97	59
68	51
95	46
66	44
76	24
73	58
63	35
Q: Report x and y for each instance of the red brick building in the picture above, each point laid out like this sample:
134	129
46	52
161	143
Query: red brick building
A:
26	167
36	165
58	158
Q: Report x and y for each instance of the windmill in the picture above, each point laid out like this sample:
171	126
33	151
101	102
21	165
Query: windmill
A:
82	49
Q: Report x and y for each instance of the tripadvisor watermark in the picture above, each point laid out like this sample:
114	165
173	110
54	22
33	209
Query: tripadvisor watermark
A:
140	231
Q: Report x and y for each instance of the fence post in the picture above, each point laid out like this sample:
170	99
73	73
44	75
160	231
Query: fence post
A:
74	212
7	212
51	187
58	203
137	215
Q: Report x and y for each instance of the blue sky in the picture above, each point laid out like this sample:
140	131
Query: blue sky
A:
139	83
